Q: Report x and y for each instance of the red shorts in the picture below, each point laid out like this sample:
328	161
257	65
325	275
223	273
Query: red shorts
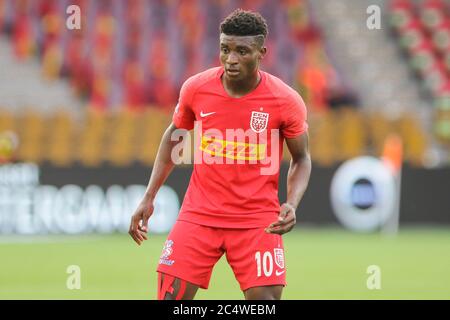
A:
192	250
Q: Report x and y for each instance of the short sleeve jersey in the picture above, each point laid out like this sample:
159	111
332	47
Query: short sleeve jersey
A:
238	148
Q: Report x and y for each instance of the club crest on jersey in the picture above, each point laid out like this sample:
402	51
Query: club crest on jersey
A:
166	252
258	121
279	257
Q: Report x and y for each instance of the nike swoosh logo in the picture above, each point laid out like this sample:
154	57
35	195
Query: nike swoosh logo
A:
279	273
205	114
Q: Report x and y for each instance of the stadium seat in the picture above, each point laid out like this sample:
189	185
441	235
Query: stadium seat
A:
379	128
414	140
152	126
7	120
423	30
322	139
60	139
32	128
121	129
352	136
127	55
91	140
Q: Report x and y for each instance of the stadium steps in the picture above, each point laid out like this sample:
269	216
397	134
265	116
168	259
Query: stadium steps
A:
23	86
371	64
369	58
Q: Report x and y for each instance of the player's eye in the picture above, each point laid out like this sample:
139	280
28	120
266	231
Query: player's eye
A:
225	50
243	52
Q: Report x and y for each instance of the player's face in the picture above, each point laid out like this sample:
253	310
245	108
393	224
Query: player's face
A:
240	56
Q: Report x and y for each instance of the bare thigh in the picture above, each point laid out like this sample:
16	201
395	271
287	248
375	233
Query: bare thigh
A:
264	293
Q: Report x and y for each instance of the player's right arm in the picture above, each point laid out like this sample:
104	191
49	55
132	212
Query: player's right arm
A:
162	167
183	118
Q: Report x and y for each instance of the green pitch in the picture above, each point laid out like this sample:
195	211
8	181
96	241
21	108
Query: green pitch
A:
326	263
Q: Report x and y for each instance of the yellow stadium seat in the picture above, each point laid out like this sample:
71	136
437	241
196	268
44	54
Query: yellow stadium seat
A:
32	134
91	140
351	134
414	140
322	138
61	139
151	128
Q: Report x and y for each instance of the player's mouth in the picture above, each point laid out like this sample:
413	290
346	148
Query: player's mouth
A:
233	72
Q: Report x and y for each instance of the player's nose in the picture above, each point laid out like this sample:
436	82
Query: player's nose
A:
232	58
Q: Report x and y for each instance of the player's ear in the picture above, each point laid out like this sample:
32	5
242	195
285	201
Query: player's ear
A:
262	52
259	44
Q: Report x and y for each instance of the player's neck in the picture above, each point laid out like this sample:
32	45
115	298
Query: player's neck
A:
237	89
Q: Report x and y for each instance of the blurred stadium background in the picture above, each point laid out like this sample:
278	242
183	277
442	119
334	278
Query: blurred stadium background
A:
82	113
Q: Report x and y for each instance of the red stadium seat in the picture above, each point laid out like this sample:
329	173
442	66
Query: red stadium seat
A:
96	58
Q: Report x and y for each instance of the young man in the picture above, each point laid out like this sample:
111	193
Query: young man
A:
231	205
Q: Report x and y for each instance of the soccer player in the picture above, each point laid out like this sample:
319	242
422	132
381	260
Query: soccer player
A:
231	207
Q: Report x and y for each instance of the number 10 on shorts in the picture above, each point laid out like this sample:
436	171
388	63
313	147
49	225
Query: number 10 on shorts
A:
264	262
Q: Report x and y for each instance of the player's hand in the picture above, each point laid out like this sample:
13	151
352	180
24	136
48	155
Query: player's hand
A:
286	220
139	221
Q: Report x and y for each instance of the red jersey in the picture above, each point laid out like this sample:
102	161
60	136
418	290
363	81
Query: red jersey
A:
238	149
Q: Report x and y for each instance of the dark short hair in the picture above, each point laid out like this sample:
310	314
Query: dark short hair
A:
244	23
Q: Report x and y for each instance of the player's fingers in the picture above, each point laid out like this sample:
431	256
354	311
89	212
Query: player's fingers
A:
287	219
143	234
136	239
134	232
275	231
276	224
134	223
272	228
137	232
285	212
139	235
130	230
288	227
133	235
281	229
143	228
281	220
145	222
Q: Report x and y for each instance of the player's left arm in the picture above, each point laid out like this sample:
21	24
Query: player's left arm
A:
297	182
